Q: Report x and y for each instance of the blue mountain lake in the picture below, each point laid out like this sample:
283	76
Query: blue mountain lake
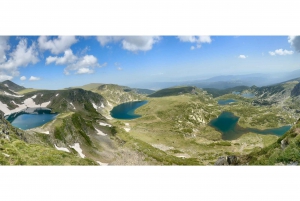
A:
226	102
126	110
26	121
227	124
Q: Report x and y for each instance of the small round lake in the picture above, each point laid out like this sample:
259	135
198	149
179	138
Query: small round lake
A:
26	121
227	124
126	110
226	102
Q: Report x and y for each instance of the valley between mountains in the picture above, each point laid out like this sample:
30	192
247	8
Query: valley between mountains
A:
174	128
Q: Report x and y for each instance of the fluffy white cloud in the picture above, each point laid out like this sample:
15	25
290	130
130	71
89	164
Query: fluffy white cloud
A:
139	43
23	78
119	68
68	57
3	48
281	52
83	65
295	42
32	78
57	45
21	56
242	56
131	43
5	77
84	71
103	40
198	40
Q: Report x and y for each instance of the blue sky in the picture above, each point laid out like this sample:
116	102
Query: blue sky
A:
55	62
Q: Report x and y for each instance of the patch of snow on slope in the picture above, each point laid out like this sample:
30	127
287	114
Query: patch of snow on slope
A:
104	124
61	148
56	94
27	103
73	106
76	146
6	85
100	132
45	104
102	164
102	105
46	132
94	105
33	97
8	94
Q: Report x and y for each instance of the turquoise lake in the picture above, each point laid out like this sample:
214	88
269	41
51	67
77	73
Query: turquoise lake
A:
27	121
227	124
226	102
126	110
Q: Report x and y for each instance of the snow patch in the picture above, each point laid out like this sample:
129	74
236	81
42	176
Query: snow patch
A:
73	106
102	164
95	106
100	132
104	124
33	97
6	85
76	146
46	132
61	148
56	94
109	104
27	103
8	94
102	105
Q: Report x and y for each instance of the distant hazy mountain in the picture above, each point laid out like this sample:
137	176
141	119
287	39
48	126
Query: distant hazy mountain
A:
225	81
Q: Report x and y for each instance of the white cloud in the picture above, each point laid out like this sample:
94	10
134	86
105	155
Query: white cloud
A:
57	45
119	68
21	56
23	78
295	42
243	56
68	58
131	43
281	52
3	48
84	65
103	40
84	71
32	78
195	39
5	77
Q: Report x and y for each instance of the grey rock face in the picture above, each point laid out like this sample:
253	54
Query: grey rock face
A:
228	160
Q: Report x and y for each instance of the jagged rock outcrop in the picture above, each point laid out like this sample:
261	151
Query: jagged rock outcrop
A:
228	160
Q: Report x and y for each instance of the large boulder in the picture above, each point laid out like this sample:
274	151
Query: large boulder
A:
228	160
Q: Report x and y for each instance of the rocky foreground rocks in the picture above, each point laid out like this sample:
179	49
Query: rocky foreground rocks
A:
227	160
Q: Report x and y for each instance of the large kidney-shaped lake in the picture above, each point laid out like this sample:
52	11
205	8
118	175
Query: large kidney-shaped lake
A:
126	110
227	124
26	121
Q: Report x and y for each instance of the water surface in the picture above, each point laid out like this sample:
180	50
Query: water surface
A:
226	102
126	110
26	121
227	124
